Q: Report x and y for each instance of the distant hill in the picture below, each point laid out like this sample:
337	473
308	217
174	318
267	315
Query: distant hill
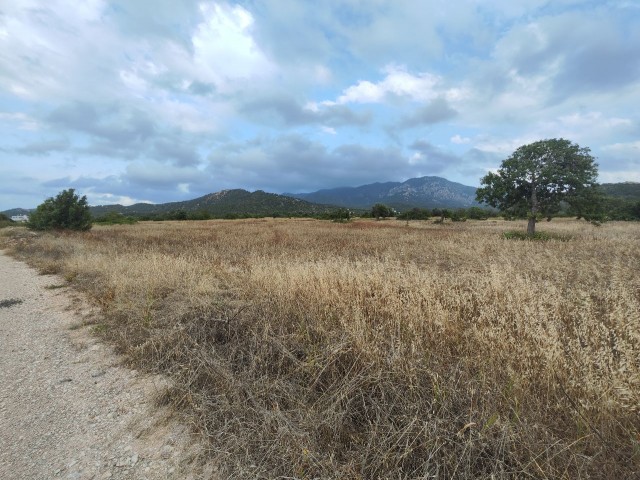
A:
625	190
235	201
424	192
16	211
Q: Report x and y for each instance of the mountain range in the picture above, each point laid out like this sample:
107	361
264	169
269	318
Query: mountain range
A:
424	192
236	201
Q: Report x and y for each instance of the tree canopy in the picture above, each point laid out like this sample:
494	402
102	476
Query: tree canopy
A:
380	210
66	211
537	177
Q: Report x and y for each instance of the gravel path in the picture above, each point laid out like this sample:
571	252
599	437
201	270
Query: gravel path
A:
67	409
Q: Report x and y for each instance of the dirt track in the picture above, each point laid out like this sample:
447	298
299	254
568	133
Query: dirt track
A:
67	409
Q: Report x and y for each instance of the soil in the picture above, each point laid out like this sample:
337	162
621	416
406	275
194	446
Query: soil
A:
68	407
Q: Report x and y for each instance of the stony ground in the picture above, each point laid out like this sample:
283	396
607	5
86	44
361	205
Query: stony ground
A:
68	409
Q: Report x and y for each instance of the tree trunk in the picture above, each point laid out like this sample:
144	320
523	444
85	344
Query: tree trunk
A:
531	226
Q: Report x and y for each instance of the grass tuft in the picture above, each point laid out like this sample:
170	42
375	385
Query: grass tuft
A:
537	236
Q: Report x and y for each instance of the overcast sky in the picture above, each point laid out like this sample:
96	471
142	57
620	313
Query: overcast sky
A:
162	100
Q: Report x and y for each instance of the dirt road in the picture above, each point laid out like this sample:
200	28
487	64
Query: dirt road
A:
67	409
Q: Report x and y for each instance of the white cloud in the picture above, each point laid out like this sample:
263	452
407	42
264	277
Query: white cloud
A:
460	140
397	82
24	121
225	51
98	198
329	130
594	120
629	149
619	176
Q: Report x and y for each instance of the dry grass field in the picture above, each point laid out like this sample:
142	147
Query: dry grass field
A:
308	349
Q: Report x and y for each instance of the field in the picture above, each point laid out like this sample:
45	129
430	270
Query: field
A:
310	349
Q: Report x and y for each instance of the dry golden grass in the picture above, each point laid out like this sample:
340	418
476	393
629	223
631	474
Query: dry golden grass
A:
308	349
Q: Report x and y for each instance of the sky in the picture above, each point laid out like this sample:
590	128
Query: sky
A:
159	100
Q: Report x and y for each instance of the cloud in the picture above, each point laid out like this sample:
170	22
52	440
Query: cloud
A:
99	191
170	99
621	158
432	158
224	50
183	154
559	56
158	175
285	111
459	139
397	83
44	147
293	163
112	123
436	111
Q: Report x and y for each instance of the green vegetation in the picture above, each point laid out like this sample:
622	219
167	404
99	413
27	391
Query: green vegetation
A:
379	211
5	221
536	178
235	203
339	215
66	211
115	218
457	215
616	209
537	236
416	214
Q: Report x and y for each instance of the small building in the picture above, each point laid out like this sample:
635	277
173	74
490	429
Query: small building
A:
20	218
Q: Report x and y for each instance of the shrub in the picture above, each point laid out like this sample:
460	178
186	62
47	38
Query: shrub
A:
415	214
66	211
339	215
115	218
381	211
5	221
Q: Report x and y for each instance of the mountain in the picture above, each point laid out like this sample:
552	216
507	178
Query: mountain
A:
425	192
235	201
16	211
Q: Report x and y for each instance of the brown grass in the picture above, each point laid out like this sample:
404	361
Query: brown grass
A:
309	349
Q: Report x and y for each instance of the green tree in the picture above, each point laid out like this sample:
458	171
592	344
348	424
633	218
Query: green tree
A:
66	211
536	178
381	211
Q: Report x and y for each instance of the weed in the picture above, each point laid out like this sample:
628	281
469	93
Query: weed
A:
537	236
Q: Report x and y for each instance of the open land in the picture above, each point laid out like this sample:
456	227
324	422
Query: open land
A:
305	349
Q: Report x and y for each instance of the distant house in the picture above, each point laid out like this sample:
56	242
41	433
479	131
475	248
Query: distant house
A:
20	218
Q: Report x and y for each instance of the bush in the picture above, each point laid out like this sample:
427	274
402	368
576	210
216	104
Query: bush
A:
415	214
379	211
115	218
66	211
5	221
339	215
459	215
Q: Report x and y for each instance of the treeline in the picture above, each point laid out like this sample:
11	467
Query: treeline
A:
112	218
611	208
456	215
615	208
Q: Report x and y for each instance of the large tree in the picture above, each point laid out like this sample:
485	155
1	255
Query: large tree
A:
66	211
533	181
